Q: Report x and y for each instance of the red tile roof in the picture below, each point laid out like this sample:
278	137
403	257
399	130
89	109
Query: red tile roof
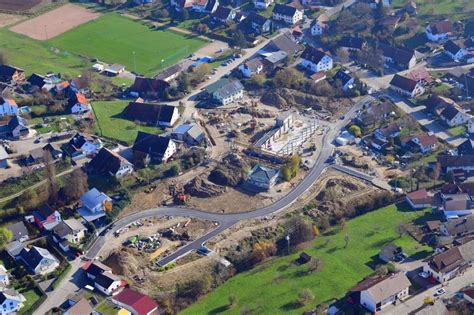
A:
142	304
427	140
418	194
469	293
81	99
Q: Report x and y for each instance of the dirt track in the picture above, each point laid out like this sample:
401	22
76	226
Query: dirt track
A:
56	22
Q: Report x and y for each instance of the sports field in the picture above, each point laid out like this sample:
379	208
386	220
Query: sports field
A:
115	39
273	288
111	123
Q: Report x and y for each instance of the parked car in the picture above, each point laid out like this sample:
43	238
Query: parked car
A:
439	292
424	275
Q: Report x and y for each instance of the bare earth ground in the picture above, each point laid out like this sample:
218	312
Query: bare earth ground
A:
8	19
55	22
20	5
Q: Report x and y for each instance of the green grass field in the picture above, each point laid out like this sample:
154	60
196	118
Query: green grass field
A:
273	287
427	8
31	297
116	39
111	124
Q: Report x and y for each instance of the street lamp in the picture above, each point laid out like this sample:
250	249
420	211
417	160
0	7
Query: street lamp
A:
287	237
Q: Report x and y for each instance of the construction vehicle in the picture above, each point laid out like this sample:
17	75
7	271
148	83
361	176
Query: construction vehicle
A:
179	197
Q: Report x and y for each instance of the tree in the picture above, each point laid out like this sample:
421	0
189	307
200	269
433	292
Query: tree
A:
288	78
381	270
29	199
5	236
286	173
450	177
51	177
232	300
305	296
401	229
3	57
355	131
174	170
194	288
343	55
76	185
238	39
314	265
346	240
324	223
300	230
258	80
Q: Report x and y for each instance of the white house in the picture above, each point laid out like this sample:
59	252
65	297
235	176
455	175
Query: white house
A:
226	91
262	4
425	142
376	294
11	301
315	60
79	104
94	205
108	283
419	199
453	115
38	260
455	51
287	14
151	148
4	277
406	87
68	232
450	263
263	177
82	145
110	162
347	81
317	28
441	30
251	67
455	205
8	107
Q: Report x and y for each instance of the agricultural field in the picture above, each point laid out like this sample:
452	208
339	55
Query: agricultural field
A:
274	286
115	39
111	124
430	9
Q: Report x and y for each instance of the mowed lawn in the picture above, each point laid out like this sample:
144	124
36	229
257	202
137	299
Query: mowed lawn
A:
438	7
273	287
111	123
35	56
115	39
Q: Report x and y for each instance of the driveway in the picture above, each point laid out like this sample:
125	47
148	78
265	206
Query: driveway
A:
419	115
416	301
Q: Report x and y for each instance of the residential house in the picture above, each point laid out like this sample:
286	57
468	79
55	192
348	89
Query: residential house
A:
70	231
454	116
153	114
151	148
4	277
346	80
285	42
388	132
251	67
436	103
316	60
112	163
38	260
81	307
46	217
406	87
54	150
376	293
37	155
10	73
424	142
448	264
226	91
352	44
317	28
191	134
18	127
378	144
62	88
274	61
375	113
14	249
459	162
94	205
224	14
454	205
82	145
288	14
419	199
441	30
467	147
257	23
150	88
19	232
108	283
93	268
262	4
458	227
135	302
78	104
11	301
8	107
468	295
318	76
263	177
400	57
114	70
170	74
420	75
199	5
388	252
455	51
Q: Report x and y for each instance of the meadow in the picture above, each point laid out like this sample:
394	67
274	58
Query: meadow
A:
273	287
115	39
111	123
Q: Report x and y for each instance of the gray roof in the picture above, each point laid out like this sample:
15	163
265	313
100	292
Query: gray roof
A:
3	153
263	172
93	197
18	230
62	230
277	56
389	286
225	87
163	75
460	226
14	248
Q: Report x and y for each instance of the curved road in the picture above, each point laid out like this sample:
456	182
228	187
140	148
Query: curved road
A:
225	221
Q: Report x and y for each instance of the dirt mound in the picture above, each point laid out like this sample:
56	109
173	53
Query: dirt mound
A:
201	187
124	262
231	172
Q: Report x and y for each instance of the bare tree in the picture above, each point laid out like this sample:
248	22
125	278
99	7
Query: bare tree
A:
76	185
343	55
401	229
314	265
346	240
51	177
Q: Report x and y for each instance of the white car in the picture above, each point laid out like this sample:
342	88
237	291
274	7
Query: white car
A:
424	275
439	292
